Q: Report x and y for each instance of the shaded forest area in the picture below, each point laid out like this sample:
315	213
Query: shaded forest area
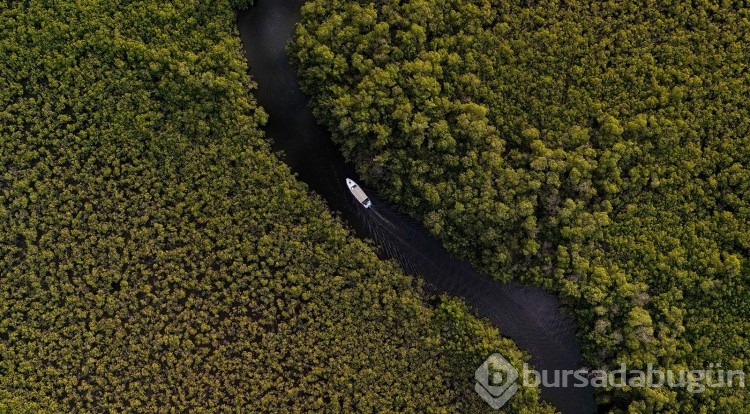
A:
600	150
156	257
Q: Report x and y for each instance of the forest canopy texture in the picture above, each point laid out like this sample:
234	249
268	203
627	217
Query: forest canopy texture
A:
155	257
597	149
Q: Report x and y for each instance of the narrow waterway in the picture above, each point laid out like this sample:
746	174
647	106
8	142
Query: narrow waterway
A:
528	315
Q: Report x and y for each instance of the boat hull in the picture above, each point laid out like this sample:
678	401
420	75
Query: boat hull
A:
358	193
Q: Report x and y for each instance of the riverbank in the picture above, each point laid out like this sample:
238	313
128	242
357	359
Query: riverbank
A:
529	316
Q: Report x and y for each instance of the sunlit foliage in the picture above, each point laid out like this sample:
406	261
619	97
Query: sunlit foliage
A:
154	255
598	149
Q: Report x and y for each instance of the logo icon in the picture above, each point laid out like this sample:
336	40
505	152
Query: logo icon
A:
496	381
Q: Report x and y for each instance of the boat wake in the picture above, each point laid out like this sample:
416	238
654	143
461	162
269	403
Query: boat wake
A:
528	315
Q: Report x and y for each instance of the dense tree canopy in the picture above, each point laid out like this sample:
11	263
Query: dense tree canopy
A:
598	149
155	257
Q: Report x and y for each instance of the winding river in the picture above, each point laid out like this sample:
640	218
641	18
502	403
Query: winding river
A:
528	315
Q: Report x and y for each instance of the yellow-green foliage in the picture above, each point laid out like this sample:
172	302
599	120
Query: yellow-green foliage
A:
598	149
155	257
15	404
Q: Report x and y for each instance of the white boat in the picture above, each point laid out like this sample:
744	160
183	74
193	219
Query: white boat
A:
358	193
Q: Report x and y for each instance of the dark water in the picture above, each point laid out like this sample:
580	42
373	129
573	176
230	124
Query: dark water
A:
528	315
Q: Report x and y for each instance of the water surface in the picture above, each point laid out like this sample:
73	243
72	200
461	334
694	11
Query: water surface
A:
528	315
